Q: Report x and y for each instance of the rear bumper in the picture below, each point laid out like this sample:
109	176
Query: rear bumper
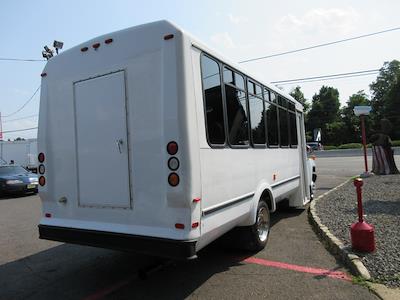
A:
120	241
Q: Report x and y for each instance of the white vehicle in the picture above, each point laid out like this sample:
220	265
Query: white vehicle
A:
21	153
152	142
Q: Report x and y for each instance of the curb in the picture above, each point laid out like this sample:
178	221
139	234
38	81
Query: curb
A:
338	249
333	244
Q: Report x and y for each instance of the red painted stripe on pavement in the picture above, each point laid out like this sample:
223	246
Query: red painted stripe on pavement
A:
281	265
100	294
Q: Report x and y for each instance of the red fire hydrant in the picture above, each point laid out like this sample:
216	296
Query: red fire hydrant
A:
362	233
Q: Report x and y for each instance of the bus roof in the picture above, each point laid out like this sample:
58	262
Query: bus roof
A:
169	26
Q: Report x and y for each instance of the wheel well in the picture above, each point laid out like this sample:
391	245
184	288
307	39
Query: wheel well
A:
267	198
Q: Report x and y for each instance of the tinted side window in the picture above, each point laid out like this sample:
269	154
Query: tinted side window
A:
257	120
293	130
272	124
213	101
237	116
283	127
266	95
272	97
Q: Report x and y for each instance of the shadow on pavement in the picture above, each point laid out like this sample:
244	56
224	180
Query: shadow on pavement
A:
77	272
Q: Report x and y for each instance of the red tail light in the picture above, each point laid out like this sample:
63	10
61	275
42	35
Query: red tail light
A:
172	148
173	179
41	157
42	180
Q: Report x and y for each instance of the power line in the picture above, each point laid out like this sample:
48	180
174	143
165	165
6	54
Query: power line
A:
22	118
19	109
20	59
324	76
17	130
319	45
330	78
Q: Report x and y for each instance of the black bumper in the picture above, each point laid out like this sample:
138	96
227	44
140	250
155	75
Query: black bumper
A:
119	241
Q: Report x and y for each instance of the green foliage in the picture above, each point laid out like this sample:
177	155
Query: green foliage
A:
324	114
350	146
340	125
330	147
297	94
386	97
352	122
396	143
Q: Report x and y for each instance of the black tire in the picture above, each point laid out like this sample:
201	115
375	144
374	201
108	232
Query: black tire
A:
255	237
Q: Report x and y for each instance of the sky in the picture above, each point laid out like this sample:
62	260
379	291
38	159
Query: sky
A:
239	30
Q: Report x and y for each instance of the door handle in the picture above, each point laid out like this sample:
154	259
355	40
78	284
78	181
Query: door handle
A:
119	144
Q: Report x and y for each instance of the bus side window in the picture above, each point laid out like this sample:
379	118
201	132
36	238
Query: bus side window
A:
283	122
293	130
236	107
272	124
213	101
257	116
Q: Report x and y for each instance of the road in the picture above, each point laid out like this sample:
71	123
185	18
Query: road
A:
349	152
35	269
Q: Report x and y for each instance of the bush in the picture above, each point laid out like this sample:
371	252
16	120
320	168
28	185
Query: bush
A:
396	143
350	146
330	147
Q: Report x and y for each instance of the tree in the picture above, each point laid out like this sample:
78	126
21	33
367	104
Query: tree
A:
297	94
324	110
385	99
351	121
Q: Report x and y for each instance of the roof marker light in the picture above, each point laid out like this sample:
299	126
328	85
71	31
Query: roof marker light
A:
108	41
168	36
96	46
84	49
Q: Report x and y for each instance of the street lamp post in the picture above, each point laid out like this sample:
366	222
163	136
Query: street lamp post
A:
363	111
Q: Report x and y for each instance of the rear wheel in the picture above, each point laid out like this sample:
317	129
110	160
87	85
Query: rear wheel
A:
255	237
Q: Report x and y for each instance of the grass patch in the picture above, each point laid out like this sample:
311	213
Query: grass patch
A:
350	146
396	143
330	147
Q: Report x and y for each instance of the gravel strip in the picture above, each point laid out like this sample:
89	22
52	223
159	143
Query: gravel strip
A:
381	201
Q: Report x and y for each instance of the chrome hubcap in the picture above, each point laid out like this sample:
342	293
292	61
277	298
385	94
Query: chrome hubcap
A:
263	224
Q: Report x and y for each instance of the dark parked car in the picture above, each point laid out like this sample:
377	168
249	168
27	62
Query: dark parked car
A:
17	180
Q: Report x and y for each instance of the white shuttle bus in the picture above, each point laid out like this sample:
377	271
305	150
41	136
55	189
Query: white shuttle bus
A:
149	141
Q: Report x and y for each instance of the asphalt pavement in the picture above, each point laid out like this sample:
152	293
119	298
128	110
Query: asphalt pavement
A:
294	265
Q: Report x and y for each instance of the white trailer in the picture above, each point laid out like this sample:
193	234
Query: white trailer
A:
150	141
23	153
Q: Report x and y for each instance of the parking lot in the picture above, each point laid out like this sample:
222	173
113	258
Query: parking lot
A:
294	265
